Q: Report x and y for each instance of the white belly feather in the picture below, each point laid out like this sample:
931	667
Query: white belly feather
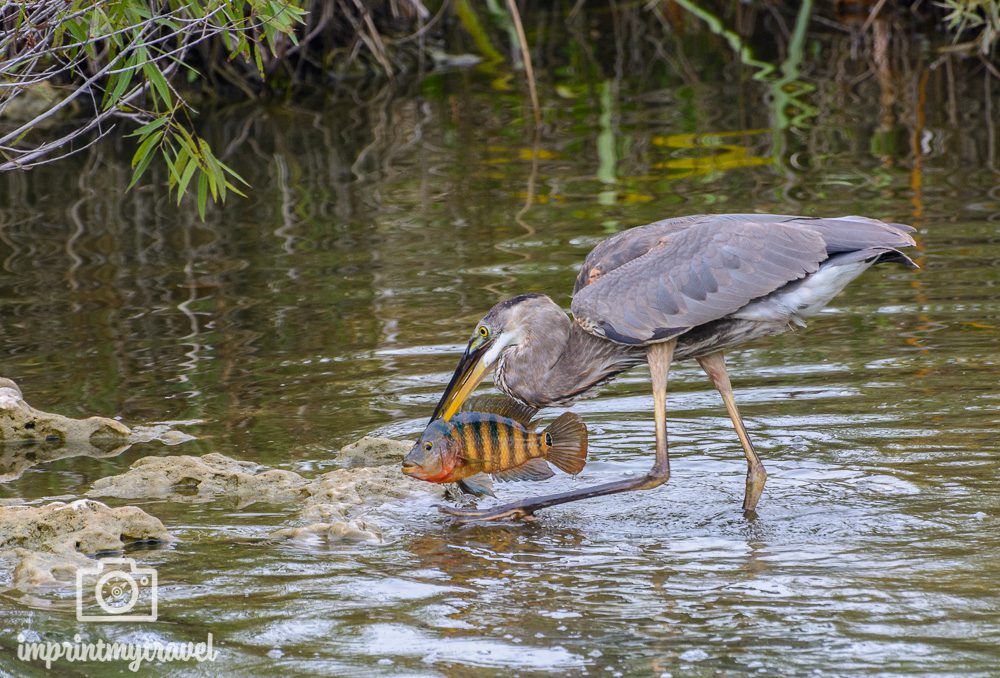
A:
805	297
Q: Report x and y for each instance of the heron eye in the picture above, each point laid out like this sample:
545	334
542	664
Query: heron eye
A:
428	445
484	332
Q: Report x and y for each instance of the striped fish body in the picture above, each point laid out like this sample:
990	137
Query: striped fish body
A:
493	443
497	439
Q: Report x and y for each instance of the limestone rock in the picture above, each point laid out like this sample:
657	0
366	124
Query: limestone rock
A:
201	478
343	492
337	531
374	452
30	437
213	476
162	432
20	421
341	505
49	541
41	568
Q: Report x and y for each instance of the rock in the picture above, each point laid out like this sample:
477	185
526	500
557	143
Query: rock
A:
340	493
84	525
374	452
20	421
332	504
162	432
335	493
39	568
29	437
201	478
341	530
49	542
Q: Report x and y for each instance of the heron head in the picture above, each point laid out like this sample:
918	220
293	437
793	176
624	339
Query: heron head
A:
507	325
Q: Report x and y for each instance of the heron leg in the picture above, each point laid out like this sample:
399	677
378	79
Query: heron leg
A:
659	357
714	365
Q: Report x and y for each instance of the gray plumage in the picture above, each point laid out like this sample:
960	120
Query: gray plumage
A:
841	234
661	280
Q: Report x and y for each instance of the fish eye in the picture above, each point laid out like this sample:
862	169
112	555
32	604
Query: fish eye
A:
484	331
428	445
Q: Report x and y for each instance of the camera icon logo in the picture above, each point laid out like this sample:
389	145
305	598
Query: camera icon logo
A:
116	590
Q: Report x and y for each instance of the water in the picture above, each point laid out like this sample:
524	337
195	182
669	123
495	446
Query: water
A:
335	301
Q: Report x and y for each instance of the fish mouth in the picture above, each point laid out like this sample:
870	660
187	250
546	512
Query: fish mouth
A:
470	372
420	473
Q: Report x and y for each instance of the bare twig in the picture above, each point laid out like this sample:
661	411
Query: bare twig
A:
872	15
529	72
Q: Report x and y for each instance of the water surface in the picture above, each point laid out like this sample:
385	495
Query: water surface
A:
335	301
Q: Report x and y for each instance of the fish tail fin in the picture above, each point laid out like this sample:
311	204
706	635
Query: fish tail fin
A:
569	443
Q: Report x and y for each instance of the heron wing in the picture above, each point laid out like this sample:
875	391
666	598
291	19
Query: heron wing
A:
841	234
623	247
695	274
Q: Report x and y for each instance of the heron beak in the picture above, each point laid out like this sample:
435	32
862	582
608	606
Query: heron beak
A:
470	372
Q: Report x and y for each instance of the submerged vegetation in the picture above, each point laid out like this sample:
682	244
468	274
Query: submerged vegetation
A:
74	72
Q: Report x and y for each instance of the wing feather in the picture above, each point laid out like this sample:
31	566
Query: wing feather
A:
841	234
695	274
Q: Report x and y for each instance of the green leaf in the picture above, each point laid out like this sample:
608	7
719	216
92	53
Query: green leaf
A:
235	190
217	178
121	82
177	167
78	30
139	170
185	179
150	127
202	194
146	147
158	82
258	60
187	141
231	172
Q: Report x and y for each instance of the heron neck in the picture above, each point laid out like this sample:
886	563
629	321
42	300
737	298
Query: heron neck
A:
560	367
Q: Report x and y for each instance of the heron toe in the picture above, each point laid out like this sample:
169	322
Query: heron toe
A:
486	515
756	477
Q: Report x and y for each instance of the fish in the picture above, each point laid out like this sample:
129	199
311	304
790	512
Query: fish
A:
494	436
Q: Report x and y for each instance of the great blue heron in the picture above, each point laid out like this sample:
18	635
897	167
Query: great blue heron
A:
688	287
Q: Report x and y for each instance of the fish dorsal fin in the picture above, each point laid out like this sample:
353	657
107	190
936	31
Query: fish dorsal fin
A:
503	406
536	469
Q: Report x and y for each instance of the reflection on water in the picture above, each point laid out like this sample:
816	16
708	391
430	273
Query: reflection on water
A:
335	300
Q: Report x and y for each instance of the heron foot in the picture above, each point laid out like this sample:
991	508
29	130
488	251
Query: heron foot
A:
756	477
525	508
506	511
